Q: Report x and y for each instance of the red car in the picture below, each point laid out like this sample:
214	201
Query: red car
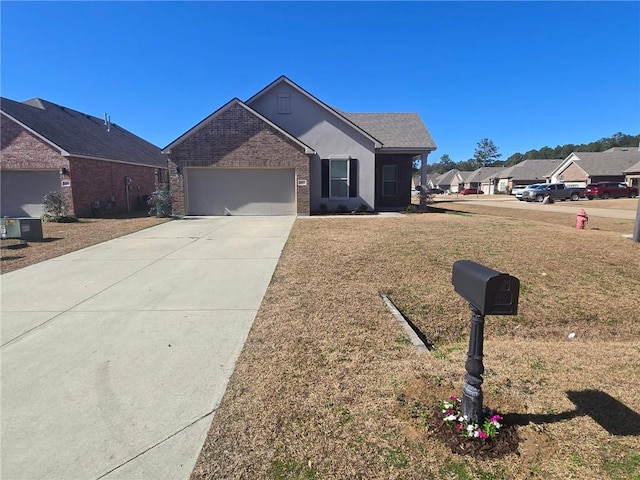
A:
471	191
609	190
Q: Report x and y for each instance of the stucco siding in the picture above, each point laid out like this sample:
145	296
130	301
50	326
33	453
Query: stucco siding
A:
329	135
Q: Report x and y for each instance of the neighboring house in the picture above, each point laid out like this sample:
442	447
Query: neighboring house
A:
449	181
283	151
468	179
484	178
632	175
582	168
47	147
526	172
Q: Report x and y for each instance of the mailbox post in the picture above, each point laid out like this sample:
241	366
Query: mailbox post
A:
489	293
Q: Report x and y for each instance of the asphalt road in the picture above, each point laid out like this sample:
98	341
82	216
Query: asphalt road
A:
595	208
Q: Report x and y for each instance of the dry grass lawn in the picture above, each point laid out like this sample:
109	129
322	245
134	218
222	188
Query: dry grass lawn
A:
328	387
62	238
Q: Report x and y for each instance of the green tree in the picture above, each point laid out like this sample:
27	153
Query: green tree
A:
486	153
467	165
444	165
514	159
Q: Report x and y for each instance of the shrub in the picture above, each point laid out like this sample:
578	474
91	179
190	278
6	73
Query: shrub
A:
342	209
160	201
55	208
363	207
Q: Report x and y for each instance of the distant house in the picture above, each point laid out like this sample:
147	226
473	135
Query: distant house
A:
632	175
285	152
48	147
448	181
582	168
484	178
526	172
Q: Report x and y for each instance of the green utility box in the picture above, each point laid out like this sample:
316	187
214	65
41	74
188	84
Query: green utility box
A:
24	228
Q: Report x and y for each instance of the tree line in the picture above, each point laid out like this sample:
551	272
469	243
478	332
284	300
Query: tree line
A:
486	153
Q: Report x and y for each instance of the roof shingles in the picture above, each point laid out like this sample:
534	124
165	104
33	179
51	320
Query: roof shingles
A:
80	134
395	130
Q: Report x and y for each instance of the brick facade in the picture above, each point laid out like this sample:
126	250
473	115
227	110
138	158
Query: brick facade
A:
97	180
573	173
236	138
91	180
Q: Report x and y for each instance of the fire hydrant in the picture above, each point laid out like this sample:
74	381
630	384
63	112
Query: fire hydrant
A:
581	219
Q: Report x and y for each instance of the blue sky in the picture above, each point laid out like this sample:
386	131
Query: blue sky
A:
524	74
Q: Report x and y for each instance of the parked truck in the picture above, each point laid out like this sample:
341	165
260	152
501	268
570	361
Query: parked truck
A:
555	191
610	190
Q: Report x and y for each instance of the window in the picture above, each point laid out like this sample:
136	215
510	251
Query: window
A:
339	186
284	104
339	177
389	180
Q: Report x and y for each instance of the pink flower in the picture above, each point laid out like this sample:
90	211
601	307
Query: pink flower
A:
458	426
496	418
481	434
453	398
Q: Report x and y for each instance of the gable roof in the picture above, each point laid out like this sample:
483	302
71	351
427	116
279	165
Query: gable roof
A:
233	102
388	131
610	162
532	169
633	168
336	113
481	174
446	177
80	135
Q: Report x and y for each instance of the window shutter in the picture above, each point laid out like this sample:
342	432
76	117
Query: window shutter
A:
353	178
325	177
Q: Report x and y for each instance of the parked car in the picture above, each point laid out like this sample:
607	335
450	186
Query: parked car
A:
517	191
471	191
435	191
610	190
555	191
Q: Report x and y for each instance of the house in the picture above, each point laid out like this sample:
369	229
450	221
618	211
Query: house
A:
284	151
632	175
47	147
484	178
582	168
449	181
526	172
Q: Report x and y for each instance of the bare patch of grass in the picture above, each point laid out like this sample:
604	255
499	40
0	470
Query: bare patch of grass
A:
323	388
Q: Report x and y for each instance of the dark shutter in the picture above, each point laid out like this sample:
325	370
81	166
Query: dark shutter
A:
325	177
353	178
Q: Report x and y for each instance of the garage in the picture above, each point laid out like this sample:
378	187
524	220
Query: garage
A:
240	191
23	191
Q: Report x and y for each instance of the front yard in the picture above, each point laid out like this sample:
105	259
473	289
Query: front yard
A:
61	238
328	386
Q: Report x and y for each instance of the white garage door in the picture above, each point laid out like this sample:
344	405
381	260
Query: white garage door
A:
215	191
22	191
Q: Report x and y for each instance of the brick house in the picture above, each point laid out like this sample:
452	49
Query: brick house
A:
47	147
285	152
582	168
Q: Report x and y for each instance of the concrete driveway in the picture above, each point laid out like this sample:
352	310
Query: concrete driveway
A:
115	357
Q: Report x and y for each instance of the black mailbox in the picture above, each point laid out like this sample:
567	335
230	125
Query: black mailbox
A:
488	291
